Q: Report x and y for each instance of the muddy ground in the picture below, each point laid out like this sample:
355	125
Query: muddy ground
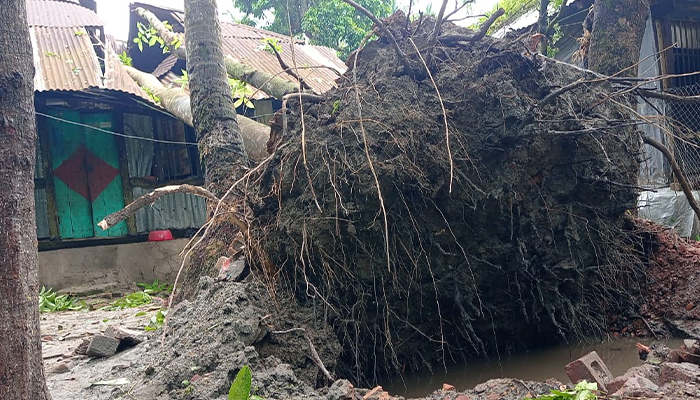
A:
230	324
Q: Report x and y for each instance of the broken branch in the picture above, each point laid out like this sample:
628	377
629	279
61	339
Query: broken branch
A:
150	198
676	171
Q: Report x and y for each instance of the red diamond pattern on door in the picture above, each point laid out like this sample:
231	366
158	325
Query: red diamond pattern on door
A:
87	182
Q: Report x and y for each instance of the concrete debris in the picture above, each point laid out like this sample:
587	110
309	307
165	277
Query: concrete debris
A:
638	387
341	389
102	346
591	368
679	372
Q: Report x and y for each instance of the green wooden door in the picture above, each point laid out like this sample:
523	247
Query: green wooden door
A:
85	165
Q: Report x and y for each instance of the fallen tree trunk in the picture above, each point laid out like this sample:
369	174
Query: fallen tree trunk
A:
271	84
526	247
255	135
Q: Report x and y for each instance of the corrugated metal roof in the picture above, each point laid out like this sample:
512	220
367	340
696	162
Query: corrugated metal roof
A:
177	211
66	61
116	78
165	66
249	52
244	43
240	31
60	14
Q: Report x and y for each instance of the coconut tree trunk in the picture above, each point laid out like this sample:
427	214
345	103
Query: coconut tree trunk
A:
255	135
214	115
21	368
218	134
618	28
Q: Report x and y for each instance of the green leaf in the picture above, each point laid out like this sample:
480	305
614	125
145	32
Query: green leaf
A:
240	388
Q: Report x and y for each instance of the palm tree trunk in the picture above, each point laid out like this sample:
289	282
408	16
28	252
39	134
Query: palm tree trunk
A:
214	116
21	366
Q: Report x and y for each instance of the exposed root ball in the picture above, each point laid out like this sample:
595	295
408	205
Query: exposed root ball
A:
526	247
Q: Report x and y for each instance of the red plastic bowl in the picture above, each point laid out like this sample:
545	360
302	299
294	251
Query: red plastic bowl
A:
159	236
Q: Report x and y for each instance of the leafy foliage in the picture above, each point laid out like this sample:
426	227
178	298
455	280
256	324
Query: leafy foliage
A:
157	321
50	301
514	9
156	288
584	390
130	301
270	44
149	35
240	388
125	59
331	23
338	25
241	92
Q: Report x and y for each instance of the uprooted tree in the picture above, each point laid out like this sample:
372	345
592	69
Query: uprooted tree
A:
456	195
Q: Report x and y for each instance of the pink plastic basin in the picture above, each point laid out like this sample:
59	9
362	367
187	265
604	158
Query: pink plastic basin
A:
159	236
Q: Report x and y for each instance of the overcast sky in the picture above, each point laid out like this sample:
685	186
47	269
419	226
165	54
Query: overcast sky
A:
115	13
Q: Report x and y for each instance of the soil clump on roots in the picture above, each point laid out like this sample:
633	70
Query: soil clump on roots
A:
503	231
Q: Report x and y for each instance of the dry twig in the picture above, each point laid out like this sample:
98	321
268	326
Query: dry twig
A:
314	354
150	198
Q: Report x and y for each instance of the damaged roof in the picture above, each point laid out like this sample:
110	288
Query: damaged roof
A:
66	39
245	44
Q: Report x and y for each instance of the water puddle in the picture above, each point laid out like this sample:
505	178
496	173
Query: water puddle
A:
536	365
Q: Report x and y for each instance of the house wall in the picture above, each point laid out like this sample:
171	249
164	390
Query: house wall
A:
110	266
143	164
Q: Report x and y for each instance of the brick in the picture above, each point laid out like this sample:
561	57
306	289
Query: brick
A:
647	371
102	346
637	386
127	337
591	368
679	372
448	388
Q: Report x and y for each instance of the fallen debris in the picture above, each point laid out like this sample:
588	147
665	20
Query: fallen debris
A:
102	346
590	368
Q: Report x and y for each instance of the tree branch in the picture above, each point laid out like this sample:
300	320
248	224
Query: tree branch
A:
676	171
177	102
452	39
150	198
668	96
290	71
270	84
